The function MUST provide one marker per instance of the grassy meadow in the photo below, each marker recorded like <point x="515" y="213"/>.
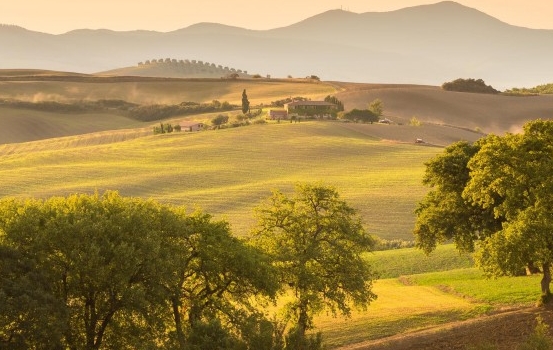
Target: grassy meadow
<point x="427" y="291"/>
<point x="228" y="172"/>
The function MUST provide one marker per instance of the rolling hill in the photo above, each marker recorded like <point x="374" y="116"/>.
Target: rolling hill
<point x="426" y="44"/>
<point x="227" y="172"/>
<point x="449" y="116"/>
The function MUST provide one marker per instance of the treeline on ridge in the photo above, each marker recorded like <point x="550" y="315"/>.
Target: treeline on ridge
<point x="157" y="112"/>
<point x="141" y="113"/>
<point x="193" y="66"/>
<point x="469" y="85"/>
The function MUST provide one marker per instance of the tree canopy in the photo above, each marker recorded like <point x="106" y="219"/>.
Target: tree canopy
<point x="469" y="85"/>
<point x="315" y="240"/>
<point x="494" y="197"/>
<point x="376" y="107"/>
<point x="245" y="102"/>
<point x="360" y="115"/>
<point x="105" y="271"/>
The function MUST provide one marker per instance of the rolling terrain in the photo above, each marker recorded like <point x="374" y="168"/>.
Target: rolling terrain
<point x="106" y="149"/>
<point x="377" y="168"/>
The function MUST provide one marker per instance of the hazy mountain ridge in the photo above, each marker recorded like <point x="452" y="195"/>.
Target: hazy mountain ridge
<point x="426" y="44"/>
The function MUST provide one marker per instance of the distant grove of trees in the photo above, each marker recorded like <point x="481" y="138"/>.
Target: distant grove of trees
<point x="165" y="128"/>
<point x="197" y="65"/>
<point x="544" y="89"/>
<point x="143" y="113"/>
<point x="337" y="102"/>
<point x="158" y="112"/>
<point x="281" y="103"/>
<point x="360" y="116"/>
<point x="469" y="85"/>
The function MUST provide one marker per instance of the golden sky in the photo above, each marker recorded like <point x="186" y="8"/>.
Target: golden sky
<point x="60" y="16"/>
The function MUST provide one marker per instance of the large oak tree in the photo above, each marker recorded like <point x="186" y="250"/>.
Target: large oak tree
<point x="110" y="272"/>
<point x="316" y="240"/>
<point x="494" y="197"/>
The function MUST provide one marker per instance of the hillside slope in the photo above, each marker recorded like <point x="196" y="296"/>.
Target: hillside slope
<point x="487" y="113"/>
<point x="228" y="172"/>
<point x="450" y="116"/>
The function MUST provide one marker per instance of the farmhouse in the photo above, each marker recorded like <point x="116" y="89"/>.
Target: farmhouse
<point x="276" y="114"/>
<point x="191" y="126"/>
<point x="310" y="108"/>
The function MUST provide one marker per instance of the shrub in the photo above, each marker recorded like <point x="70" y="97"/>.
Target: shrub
<point x="415" y="122"/>
<point x="469" y="85"/>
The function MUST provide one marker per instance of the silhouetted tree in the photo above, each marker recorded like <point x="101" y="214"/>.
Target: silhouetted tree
<point x="245" y="102"/>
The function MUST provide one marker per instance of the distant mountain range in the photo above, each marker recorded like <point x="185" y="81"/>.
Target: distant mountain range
<point x="427" y="44"/>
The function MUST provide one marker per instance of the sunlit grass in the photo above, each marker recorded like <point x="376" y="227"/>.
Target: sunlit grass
<point x="473" y="284"/>
<point x="410" y="261"/>
<point x="229" y="172"/>
<point x="399" y="308"/>
<point x="166" y="92"/>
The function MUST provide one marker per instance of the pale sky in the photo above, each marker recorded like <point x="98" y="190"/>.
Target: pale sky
<point x="60" y="16"/>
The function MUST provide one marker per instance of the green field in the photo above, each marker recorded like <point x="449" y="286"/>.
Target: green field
<point x="419" y="300"/>
<point x="228" y="172"/>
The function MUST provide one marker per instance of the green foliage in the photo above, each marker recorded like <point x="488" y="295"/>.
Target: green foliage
<point x="414" y="122"/>
<point x="469" y="85"/>
<point x="339" y="104"/>
<point x="281" y="103"/>
<point x="315" y="240"/>
<point x="296" y="341"/>
<point x="496" y="193"/>
<point x="545" y="89"/>
<point x="245" y="102"/>
<point x="104" y="271"/>
<point x="158" y="112"/>
<point x="360" y="115"/>
<point x="376" y="107"/>
<point x="219" y="120"/>
<point x="165" y="128"/>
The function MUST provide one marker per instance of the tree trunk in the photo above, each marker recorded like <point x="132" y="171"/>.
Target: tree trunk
<point x="545" y="281"/>
<point x="178" y="322"/>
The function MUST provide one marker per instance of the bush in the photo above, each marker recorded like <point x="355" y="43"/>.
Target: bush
<point x="360" y="115"/>
<point x="469" y="85"/>
<point x="415" y="122"/>
<point x="295" y="342"/>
